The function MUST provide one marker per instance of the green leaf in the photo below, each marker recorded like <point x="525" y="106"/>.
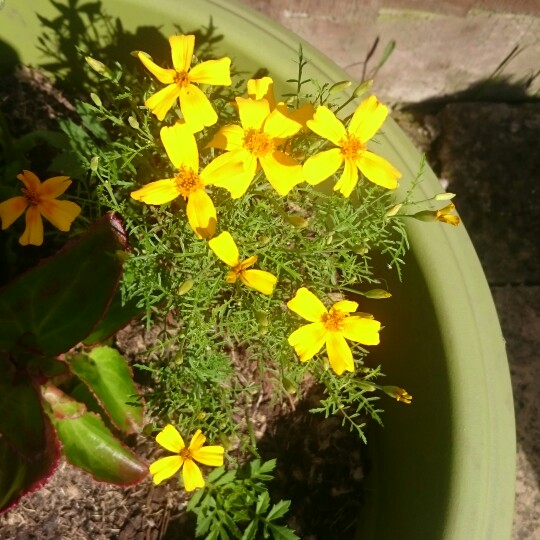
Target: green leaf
<point x="251" y="530"/>
<point x="282" y="532"/>
<point x="278" y="510"/>
<point x="89" y="445"/>
<point x="106" y="373"/>
<point x="263" y="502"/>
<point x="19" y="475"/>
<point x="56" y="304"/>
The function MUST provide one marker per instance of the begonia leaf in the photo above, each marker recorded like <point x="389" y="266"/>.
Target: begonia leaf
<point x="56" y="304"/>
<point x="106" y="373"/>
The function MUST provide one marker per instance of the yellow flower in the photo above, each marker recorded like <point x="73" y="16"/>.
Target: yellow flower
<point x="352" y="148"/>
<point x="166" y="467"/>
<point x="225" y="249"/>
<point x="255" y="144"/>
<point x="195" y="106"/>
<point x="399" y="394"/>
<point x="181" y="147"/>
<point x="330" y="327"/>
<point x="442" y="215"/>
<point x="39" y="199"/>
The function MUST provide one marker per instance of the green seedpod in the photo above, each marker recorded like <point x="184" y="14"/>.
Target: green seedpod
<point x="444" y="196"/>
<point x="96" y="99"/>
<point x="98" y="67"/>
<point x="360" y="250"/>
<point x="377" y="294"/>
<point x="262" y="320"/>
<point x="298" y="221"/>
<point x="362" y="88"/>
<point x="133" y="122"/>
<point x="339" y="87"/>
<point x="94" y="163"/>
<point x="394" y="210"/>
<point x="185" y="287"/>
<point x="179" y="358"/>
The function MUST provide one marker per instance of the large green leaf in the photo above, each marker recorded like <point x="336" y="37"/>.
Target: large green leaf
<point x="105" y="371"/>
<point x="19" y="475"/>
<point x="88" y="444"/>
<point x="55" y="305"/>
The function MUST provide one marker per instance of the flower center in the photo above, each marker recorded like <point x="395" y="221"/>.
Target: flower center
<point x="185" y="454"/>
<point x="258" y="142"/>
<point x="182" y="79"/>
<point x="351" y="146"/>
<point x="187" y="182"/>
<point x="333" y="320"/>
<point x="32" y="197"/>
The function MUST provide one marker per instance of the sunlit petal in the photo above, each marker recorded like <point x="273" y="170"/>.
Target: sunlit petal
<point x="170" y="439"/>
<point x="54" y="187"/>
<point x="261" y="281"/>
<point x="181" y="146"/>
<point x="228" y="138"/>
<point x="262" y="89"/>
<point x="279" y="126"/>
<point x="158" y="192"/>
<point x="308" y="340"/>
<point x="225" y="248"/>
<point x="201" y="214"/>
<point x="346" y="306"/>
<point x="322" y="165"/>
<point x="209" y="455"/>
<point x="165" y="468"/>
<point x="349" y="178"/>
<point x="196" y="108"/>
<point x="307" y="305"/>
<point x="11" y="210"/>
<point x="246" y="263"/>
<point x="192" y="476"/>
<point x="282" y="171"/>
<point x="165" y="76"/>
<point x="326" y="124"/>
<point x="33" y="233"/>
<point x="252" y="112"/>
<point x="361" y="330"/>
<point x="160" y="102"/>
<point x="182" y="52"/>
<point x="377" y="170"/>
<point x="368" y="118"/>
<point x="30" y="180"/>
<point x="60" y="213"/>
<point x="303" y="114"/>
<point x="212" y="72"/>
<point x="339" y="353"/>
<point x="197" y="441"/>
<point x="223" y="168"/>
<point x="238" y="185"/>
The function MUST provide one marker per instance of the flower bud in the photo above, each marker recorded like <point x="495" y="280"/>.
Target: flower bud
<point x="398" y="393"/>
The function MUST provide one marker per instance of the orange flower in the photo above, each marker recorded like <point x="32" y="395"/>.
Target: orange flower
<point x="39" y="199"/>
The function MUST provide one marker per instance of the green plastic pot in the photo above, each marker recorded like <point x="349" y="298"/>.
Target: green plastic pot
<point x="444" y="466"/>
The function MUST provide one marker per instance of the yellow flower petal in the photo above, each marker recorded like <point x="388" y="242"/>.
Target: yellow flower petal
<point x="307" y="305"/>
<point x="196" y="108"/>
<point x="361" y="330"/>
<point x="165" y="76"/>
<point x="322" y="165"/>
<point x="261" y="281"/>
<point x="212" y="72"/>
<point x="170" y="439"/>
<point x="368" y="118"/>
<point x="246" y="263"/>
<point x="209" y="455"/>
<point x="238" y="185"/>
<point x="60" y="213"/>
<point x="201" y="214"/>
<point x="182" y="51"/>
<point x="181" y="146"/>
<point x="165" y="468"/>
<point x="282" y="171"/>
<point x="30" y="180"/>
<point x="339" y="353"/>
<point x="162" y="101"/>
<point x="54" y="187"/>
<point x="349" y="178"/>
<point x="252" y="112"/>
<point x="308" y="340"/>
<point x="225" y="248"/>
<point x="346" y="306"/>
<point x="303" y="114"/>
<point x="192" y="476"/>
<point x="197" y="441"/>
<point x="158" y="192"/>
<point x="33" y="233"/>
<point x="228" y="138"/>
<point x="279" y="126"/>
<point x="326" y="125"/>
<point x="11" y="210"/>
<point x="223" y="168"/>
<point x="377" y="170"/>
<point x="262" y="89"/>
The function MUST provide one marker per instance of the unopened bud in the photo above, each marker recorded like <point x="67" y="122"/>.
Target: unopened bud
<point x="377" y="294"/>
<point x="96" y="99"/>
<point x="99" y="67"/>
<point x="398" y="393"/>
<point x="339" y="87"/>
<point x="185" y="287"/>
<point x="394" y="210"/>
<point x="362" y="88"/>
